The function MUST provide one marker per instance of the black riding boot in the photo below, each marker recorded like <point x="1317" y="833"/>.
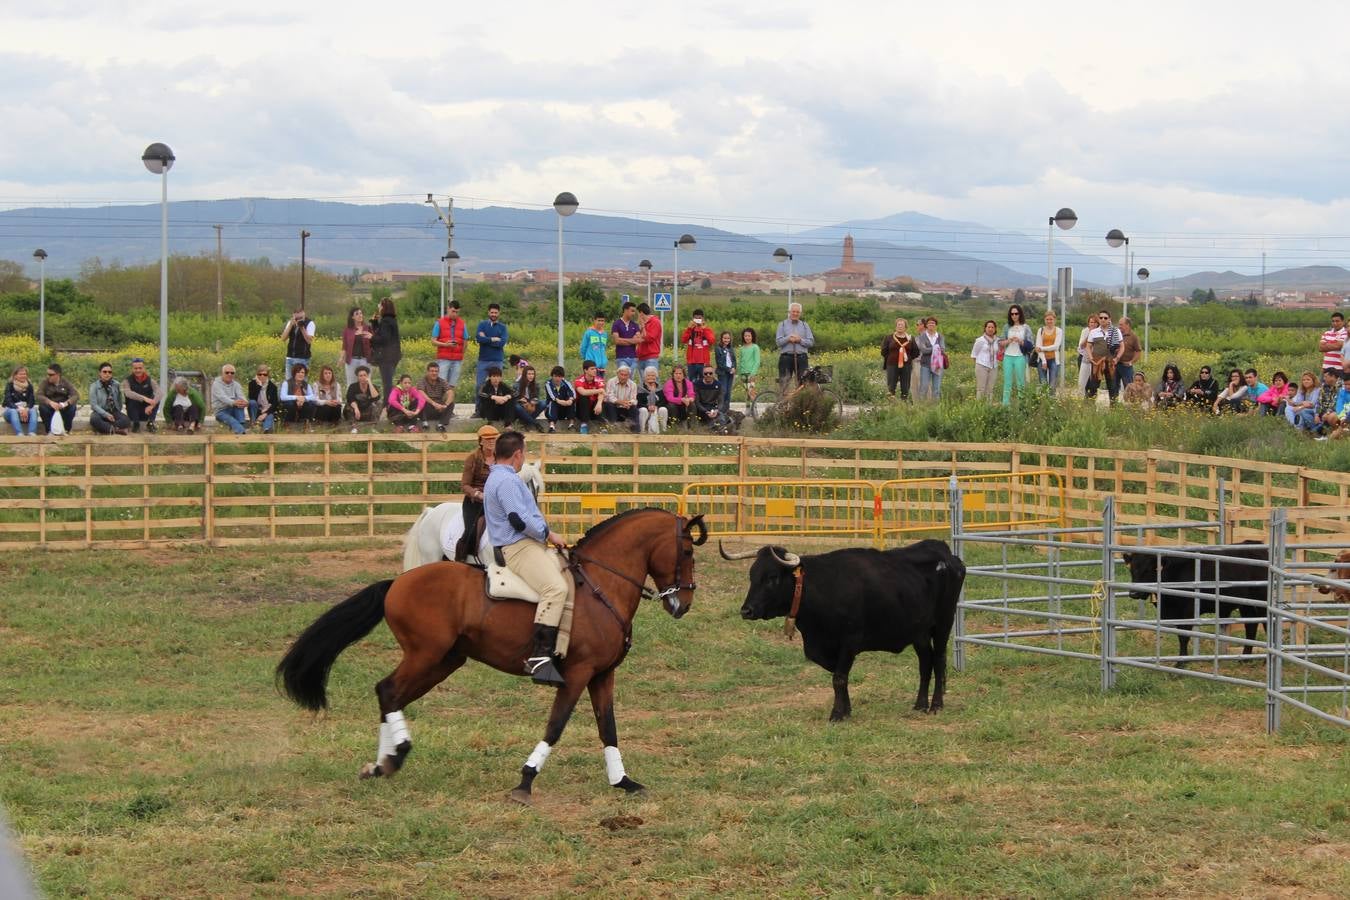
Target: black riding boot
<point x="541" y="665"/>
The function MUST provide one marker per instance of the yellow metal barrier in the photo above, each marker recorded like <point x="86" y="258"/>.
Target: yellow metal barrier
<point x="572" y="514"/>
<point x="996" y="500"/>
<point x="820" y="508"/>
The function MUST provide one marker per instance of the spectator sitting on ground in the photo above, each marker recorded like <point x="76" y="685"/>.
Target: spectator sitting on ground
<point x="529" y="397"/>
<point x="363" y="400"/>
<point x="560" y="400"/>
<point x="143" y="397"/>
<point x="263" y="400"/>
<point x="1233" y="398"/>
<point x="297" y="397"/>
<point x="1204" y="391"/>
<point x="652" y="412"/>
<point x="708" y="400"/>
<point x="328" y="398"/>
<point x="440" y="397"/>
<point x="57" y="395"/>
<point x="1337" y="424"/>
<point x="20" y="403"/>
<point x="1301" y="410"/>
<point x="1137" y="392"/>
<point x="518" y="364"/>
<point x="496" y="398"/>
<point x="595" y="344"/>
<point x="679" y="395"/>
<point x="405" y="405"/>
<point x="229" y="404"/>
<point x="1325" y="410"/>
<point x="185" y="407"/>
<point x="1273" y="398"/>
<point x="1170" y="391"/>
<point x="105" y="404"/>
<point x="621" y="398"/>
<point x="590" y="390"/>
<point x="1255" y="388"/>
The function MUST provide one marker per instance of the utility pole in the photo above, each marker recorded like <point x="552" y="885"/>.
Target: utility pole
<point x="304" y="236"/>
<point x="1263" y="276"/>
<point x="220" y="280"/>
<point x="448" y="219"/>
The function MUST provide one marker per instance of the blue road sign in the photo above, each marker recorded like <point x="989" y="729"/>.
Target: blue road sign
<point x="661" y="302"/>
<point x="624" y="298"/>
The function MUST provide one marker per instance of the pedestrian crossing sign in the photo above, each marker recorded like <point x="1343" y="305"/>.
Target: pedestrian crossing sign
<point x="661" y="302"/>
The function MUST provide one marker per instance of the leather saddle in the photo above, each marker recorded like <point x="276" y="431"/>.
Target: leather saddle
<point x="500" y="583"/>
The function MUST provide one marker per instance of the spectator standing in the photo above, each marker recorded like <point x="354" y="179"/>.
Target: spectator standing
<point x="794" y="341"/>
<point x="1333" y="342"/>
<point x="1204" y="390"/>
<point x="471" y="482"/>
<point x="439" y="397"/>
<point x="1170" y="390"/>
<point x="386" y="347"/>
<point x="626" y="334"/>
<point x="328" y="398"/>
<point x="356" y="339"/>
<point x="985" y="353"/>
<point x="57" y="395"/>
<point x="1016" y="345"/>
<point x="932" y="359"/>
<point x="529" y="398"/>
<point x="297" y="397"/>
<point x="143" y="397"/>
<point x="1233" y="397"/>
<point x="595" y="344"/>
<point x="679" y="395"/>
<point x="697" y="340"/>
<point x="590" y="390"/>
<point x="406" y="403"/>
<point x="621" y="398"/>
<point x="1050" y="350"/>
<point x="299" y="337"/>
<point x="1126" y="354"/>
<point x="229" y="403"/>
<point x="450" y="334"/>
<point x="1085" y="355"/>
<point x="263" y="400"/>
<point x="724" y="358"/>
<point x="1102" y="343"/>
<point x="363" y="400"/>
<point x="897" y="357"/>
<point x="184" y="406"/>
<point x="496" y="398"/>
<point x="1301" y="410"/>
<point x="747" y="362"/>
<point x="105" y="404"/>
<point x="491" y="335"/>
<point x="649" y="347"/>
<point x="652" y="412"/>
<point x="560" y="400"/>
<point x="20" y="403"/>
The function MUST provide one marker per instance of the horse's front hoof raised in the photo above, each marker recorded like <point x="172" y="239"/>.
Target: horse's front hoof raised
<point x="523" y="797"/>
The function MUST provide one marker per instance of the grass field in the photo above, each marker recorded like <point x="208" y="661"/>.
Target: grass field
<point x="147" y="755"/>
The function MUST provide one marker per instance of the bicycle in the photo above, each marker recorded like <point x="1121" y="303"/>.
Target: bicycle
<point x="815" y="375"/>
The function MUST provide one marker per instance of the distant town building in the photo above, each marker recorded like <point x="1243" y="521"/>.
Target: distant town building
<point x="851" y="275"/>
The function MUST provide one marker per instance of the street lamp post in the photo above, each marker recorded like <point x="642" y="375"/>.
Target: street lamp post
<point x="304" y="236"/>
<point x="564" y="205"/>
<point x="1142" y="275"/>
<point x="781" y="255"/>
<point x="41" y="256"/>
<point x="158" y="160"/>
<point x="1065" y="219"/>
<point x="1116" y="238"/>
<point x="646" y="266"/>
<point x="448" y="218"/>
<point x="448" y="264"/>
<point x="686" y="242"/>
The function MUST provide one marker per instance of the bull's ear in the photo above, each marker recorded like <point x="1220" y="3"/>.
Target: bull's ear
<point x="1128" y="557"/>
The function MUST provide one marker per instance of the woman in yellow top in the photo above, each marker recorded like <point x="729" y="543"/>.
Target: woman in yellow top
<point x="1050" y="346"/>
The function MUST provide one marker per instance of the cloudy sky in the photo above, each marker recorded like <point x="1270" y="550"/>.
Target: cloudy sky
<point x="1206" y="124"/>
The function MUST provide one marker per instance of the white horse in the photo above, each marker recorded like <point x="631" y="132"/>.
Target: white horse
<point x="435" y="533"/>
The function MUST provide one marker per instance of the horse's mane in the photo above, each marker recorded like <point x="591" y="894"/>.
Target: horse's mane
<point x="601" y="527"/>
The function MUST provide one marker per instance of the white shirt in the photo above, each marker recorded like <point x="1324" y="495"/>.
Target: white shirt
<point x="985" y="351"/>
<point x="1016" y="334"/>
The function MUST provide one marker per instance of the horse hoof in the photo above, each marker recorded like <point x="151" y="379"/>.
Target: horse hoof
<point x="370" y="770"/>
<point x="921" y="707"/>
<point x="836" y="716"/>
<point x="630" y="786"/>
<point x="523" y="797"/>
<point x="934" y="710"/>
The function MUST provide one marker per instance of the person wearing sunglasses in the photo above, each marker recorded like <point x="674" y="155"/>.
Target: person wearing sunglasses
<point x="229" y="404"/>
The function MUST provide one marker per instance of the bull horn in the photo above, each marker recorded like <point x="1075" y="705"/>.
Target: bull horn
<point x="743" y="554"/>
<point x="790" y="560"/>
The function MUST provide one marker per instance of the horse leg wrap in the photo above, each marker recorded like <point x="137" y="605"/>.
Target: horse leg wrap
<point x="386" y="748"/>
<point x="614" y="765"/>
<point x="398" y="729"/>
<point x="540" y="754"/>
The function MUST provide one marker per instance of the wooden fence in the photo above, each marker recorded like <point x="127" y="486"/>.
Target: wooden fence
<point x="82" y="490"/>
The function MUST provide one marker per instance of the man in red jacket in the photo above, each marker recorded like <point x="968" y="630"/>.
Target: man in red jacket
<point x="448" y="335"/>
<point x="649" y="349"/>
<point x="697" y="340"/>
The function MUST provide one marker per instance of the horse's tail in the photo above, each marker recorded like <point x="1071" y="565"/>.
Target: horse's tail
<point x="302" y="673"/>
<point x="412" y="549"/>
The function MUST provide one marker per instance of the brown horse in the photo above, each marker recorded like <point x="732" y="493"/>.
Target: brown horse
<point x="441" y="617"/>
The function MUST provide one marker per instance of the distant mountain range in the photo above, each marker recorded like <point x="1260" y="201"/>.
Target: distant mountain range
<point x="406" y="236"/>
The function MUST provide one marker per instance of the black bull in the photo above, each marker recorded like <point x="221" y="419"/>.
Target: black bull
<point x="1200" y="576"/>
<point x="860" y="599"/>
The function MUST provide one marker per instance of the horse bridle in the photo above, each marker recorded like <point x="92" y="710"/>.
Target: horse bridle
<point x="667" y="595"/>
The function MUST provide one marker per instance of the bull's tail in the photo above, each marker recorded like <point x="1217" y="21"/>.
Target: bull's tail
<point x="302" y="673"/>
<point x="953" y="579"/>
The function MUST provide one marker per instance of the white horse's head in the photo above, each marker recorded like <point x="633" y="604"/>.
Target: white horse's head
<point x="533" y="476"/>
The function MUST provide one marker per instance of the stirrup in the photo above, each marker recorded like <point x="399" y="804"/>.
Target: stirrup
<point x="543" y="670"/>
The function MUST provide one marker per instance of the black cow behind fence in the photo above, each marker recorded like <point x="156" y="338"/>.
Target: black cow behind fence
<point x="1201" y="576"/>
<point x="850" y="601"/>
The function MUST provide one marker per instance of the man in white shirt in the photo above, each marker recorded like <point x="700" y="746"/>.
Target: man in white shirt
<point x="621" y="398"/>
<point x="985" y="354"/>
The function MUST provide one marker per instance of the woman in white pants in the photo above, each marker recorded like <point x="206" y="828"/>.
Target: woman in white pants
<point x="652" y="412"/>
